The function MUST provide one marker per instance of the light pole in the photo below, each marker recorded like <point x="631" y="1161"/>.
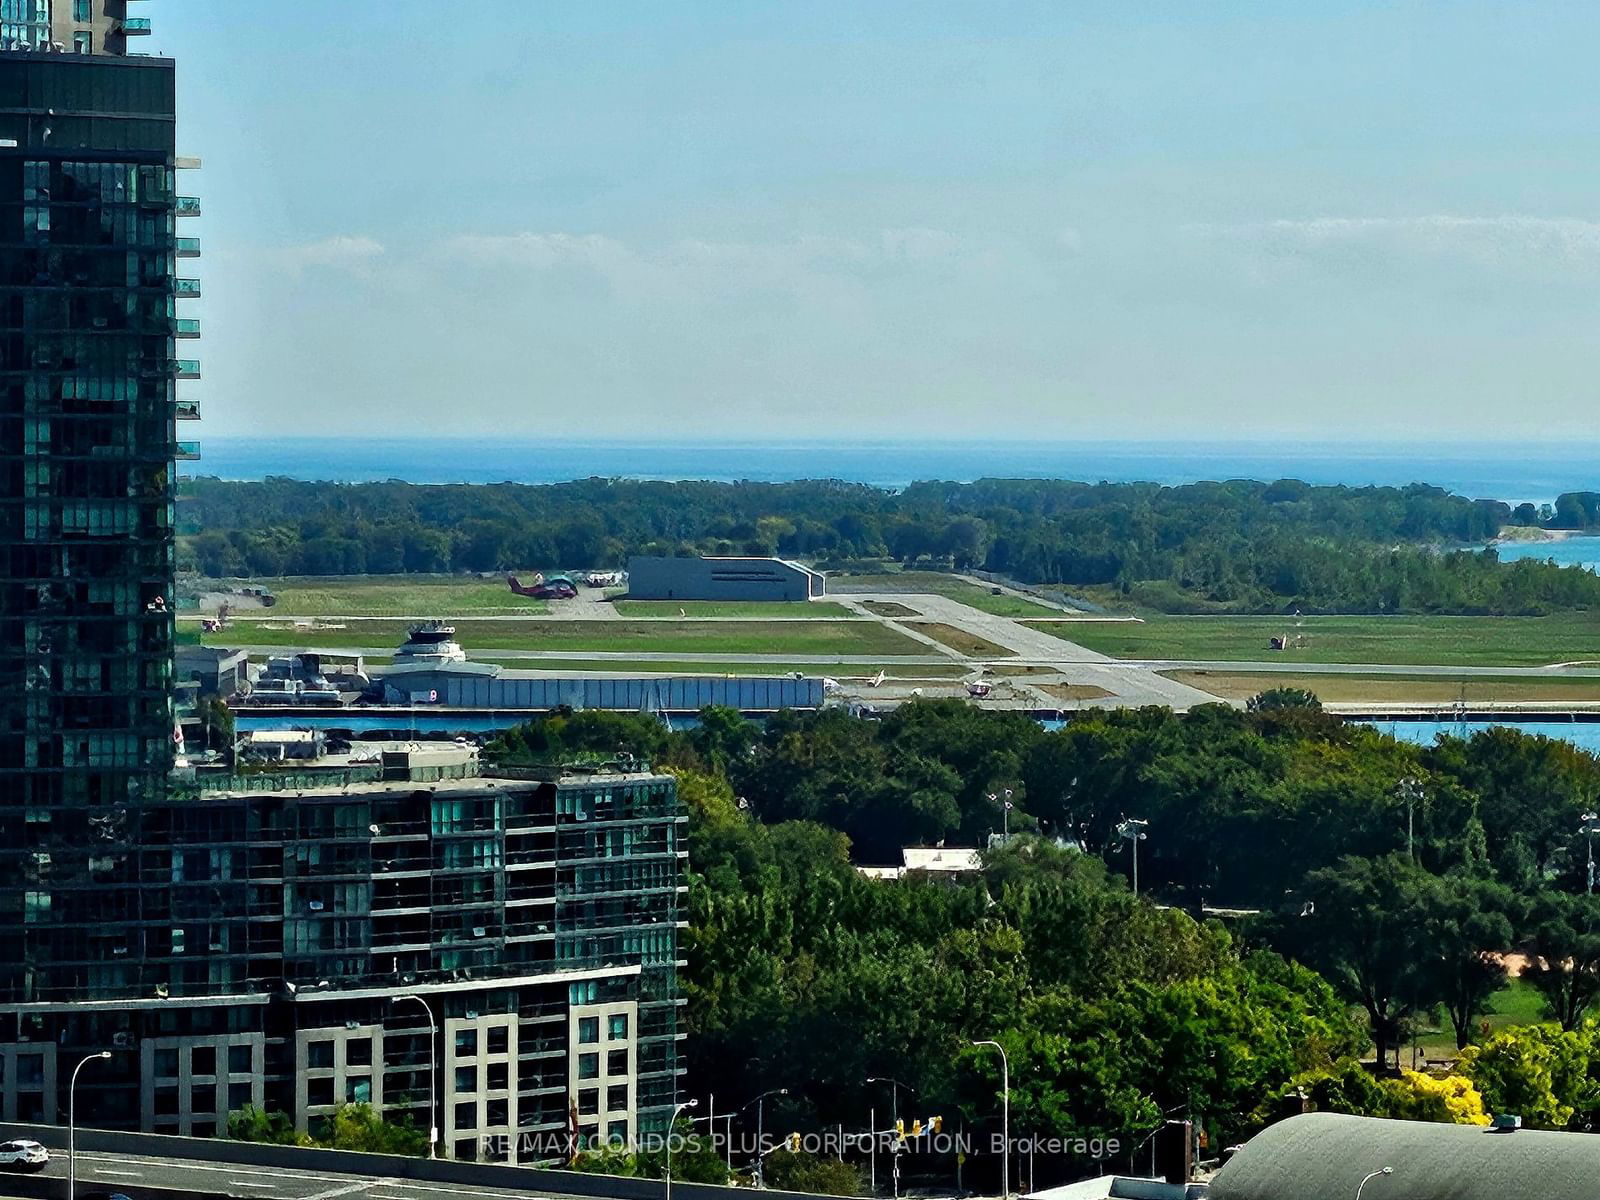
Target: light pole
<point x="1589" y="829"/>
<point x="671" y="1125"/>
<point x="1005" y="1118"/>
<point x="894" y="1116"/>
<point x="72" y="1122"/>
<point x="1411" y="791"/>
<point x="761" y="1174"/>
<point x="1004" y="800"/>
<point x="433" y="1078"/>
<point x="1132" y="830"/>
<point x="1370" y="1178"/>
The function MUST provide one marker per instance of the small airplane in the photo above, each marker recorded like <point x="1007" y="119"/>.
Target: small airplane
<point x="557" y="587"/>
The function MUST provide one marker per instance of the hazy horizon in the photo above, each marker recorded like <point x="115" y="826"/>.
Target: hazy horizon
<point x="930" y="221"/>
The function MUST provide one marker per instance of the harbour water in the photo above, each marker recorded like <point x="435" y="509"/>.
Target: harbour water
<point x="1536" y="472"/>
<point x="1578" y="551"/>
<point x="1583" y="734"/>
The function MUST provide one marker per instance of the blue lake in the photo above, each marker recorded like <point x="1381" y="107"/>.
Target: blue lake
<point x="1567" y="552"/>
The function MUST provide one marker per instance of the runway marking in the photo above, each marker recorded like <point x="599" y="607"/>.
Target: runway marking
<point x="250" y="1183"/>
<point x="111" y="1171"/>
<point x="359" y="1185"/>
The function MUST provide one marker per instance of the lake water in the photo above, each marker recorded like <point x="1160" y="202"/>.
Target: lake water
<point x="1568" y="552"/>
<point x="1583" y="734"/>
<point x="1537" y="472"/>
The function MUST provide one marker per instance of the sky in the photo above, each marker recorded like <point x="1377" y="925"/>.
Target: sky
<point x="1042" y="221"/>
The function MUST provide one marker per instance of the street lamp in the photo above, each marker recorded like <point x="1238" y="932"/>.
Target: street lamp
<point x="72" y="1122"/>
<point x="1133" y="830"/>
<point x="433" y="1077"/>
<point x="671" y="1125"/>
<point x="1370" y="1178"/>
<point x="1005" y="1118"/>
<point x="1004" y="800"/>
<point x="1411" y="792"/>
<point x="1589" y="828"/>
<point x="894" y="1116"/>
<point x="760" y="1135"/>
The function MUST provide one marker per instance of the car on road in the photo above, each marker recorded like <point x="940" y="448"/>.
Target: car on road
<point x="23" y="1155"/>
<point x="104" y="1196"/>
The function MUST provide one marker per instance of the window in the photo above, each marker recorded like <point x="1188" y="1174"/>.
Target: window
<point x="319" y="1054"/>
<point x="466" y="1149"/>
<point x="358" y="1090"/>
<point x="617" y="1062"/>
<point x="239" y="1060"/>
<point x="617" y="1133"/>
<point x="617" y="1097"/>
<point x="588" y="1101"/>
<point x="499" y="1039"/>
<point x="467" y="1116"/>
<point x="82" y="11"/>
<point x="466" y="1079"/>
<point x="358" y="1052"/>
<point x="238" y="1096"/>
<point x="617" y="1026"/>
<point x="203" y="1061"/>
<point x="467" y="1043"/>
<point x="83" y="42"/>
<point x="166" y="1064"/>
<point x="588" y="1030"/>
<point x="203" y="1099"/>
<point x="496" y="1075"/>
<point x="319" y="1091"/>
<point x="497" y="1112"/>
<point x="588" y="1066"/>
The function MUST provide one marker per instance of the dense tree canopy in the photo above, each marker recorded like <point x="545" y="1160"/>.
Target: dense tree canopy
<point x="1233" y="546"/>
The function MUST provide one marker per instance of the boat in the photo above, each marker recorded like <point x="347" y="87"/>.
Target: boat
<point x="430" y="644"/>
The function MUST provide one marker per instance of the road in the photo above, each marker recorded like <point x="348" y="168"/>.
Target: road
<point x="115" y="1172"/>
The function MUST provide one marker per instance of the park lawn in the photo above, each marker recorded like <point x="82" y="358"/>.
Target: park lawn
<point x="960" y="640"/>
<point x="1518" y="1003"/>
<point x="1419" y="640"/>
<point x="414" y="596"/>
<point x="812" y="610"/>
<point x="1396" y="689"/>
<point x="653" y="637"/>
<point x="940" y="584"/>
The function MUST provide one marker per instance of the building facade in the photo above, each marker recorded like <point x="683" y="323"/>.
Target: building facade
<point x="710" y="578"/>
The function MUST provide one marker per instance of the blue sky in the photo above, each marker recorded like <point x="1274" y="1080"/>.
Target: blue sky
<point x="1328" y="221"/>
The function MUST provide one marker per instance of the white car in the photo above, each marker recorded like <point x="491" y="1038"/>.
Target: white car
<point x="23" y="1155"/>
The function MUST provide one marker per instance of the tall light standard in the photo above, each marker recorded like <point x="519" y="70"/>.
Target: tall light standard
<point x="72" y="1122"/>
<point x="760" y="1104"/>
<point x="433" y="1075"/>
<point x="1132" y="830"/>
<point x="1589" y="828"/>
<point x="1005" y="1118"/>
<point x="671" y="1125"/>
<point x="1004" y="800"/>
<point x="894" y="1116"/>
<point x="1370" y="1178"/>
<point x="1411" y="792"/>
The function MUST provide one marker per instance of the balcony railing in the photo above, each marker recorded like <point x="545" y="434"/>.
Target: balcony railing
<point x="188" y="368"/>
<point x="186" y="410"/>
<point x="186" y="287"/>
<point x="187" y="327"/>
<point x="188" y="247"/>
<point x="136" y="26"/>
<point x="188" y="452"/>
<point x="188" y="206"/>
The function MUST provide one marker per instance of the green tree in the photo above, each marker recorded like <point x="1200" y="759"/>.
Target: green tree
<point x="1564" y="946"/>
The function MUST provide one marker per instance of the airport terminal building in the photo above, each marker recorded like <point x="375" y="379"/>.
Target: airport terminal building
<point x="774" y="579"/>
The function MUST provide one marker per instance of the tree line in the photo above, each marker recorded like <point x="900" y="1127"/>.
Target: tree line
<point x="1235" y="546"/>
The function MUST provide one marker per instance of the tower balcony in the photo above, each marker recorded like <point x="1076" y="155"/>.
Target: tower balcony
<point x="188" y="368"/>
<point x="136" y="26"/>
<point x="188" y="206"/>
<point x="188" y="247"/>
<point x="186" y="288"/>
<point x="188" y="452"/>
<point x="186" y="410"/>
<point x="186" y="327"/>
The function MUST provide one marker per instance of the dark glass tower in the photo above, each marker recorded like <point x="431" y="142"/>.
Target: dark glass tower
<point x="88" y="369"/>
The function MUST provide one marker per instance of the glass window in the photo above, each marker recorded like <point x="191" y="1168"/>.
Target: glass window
<point x="319" y="1091"/>
<point x="497" y="1112"/>
<point x="496" y="1075"/>
<point x="499" y="1039"/>
<point x="319" y="1054"/>
<point x="466" y="1079"/>
<point x="467" y="1043"/>
<point x="588" y="1101"/>
<point x="617" y="1133"/>
<point x="358" y="1052"/>
<point x="358" y="1090"/>
<point x="203" y="1099"/>
<point x="588" y="1030"/>
<point x="617" y="1097"/>
<point x="166" y="1064"/>
<point x="467" y="1116"/>
<point x="83" y="42"/>
<point x="239" y="1060"/>
<point x="82" y="11"/>
<point x="203" y="1060"/>
<point x="617" y="1026"/>
<point x="588" y="1066"/>
<point x="617" y="1062"/>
